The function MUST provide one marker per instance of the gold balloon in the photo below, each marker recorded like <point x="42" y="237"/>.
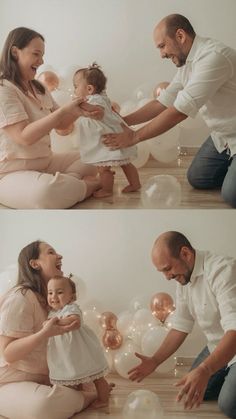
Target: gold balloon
<point x="108" y="320"/>
<point x="49" y="79"/>
<point x="115" y="106"/>
<point x="112" y="339"/>
<point x="162" y="305"/>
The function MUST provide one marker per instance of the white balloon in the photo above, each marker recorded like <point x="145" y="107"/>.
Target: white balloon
<point x="123" y="361"/>
<point x="142" y="404"/>
<point x="165" y="148"/>
<point x="8" y="278"/>
<point x="144" y="318"/>
<point x="137" y="302"/>
<point x="136" y="333"/>
<point x="127" y="107"/>
<point x="80" y="288"/>
<point x="92" y="320"/>
<point x="143" y="153"/>
<point x="151" y="341"/>
<point x="161" y="191"/>
<point x="124" y="322"/>
<point x="62" y="96"/>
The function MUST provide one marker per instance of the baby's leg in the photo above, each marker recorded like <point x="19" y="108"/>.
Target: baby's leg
<point x="132" y="176"/>
<point x="103" y="392"/>
<point x="107" y="182"/>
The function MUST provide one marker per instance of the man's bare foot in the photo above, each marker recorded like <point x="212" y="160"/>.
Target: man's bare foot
<point x="102" y="193"/>
<point x="131" y="188"/>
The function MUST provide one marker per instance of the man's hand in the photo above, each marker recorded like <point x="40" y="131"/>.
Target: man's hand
<point x="122" y="140"/>
<point x="147" y="366"/>
<point x="194" y="385"/>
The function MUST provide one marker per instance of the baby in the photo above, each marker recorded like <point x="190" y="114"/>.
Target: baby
<point x="75" y="357"/>
<point x="91" y="83"/>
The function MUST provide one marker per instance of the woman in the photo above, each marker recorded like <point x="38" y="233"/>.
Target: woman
<point x="31" y="175"/>
<point x="24" y="383"/>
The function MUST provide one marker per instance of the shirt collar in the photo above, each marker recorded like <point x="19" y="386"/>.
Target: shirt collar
<point x="194" y="48"/>
<point x="198" y="266"/>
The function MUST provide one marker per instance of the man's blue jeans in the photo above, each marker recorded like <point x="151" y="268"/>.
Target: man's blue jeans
<point x="210" y="170"/>
<point x="221" y="386"/>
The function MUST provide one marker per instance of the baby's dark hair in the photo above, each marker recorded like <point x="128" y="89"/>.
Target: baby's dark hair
<point x="67" y="279"/>
<point x="94" y="76"/>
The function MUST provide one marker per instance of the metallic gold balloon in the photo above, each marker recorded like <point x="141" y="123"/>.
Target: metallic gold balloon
<point x="108" y="320"/>
<point x="49" y="79"/>
<point x="112" y="339"/>
<point x="162" y="305"/>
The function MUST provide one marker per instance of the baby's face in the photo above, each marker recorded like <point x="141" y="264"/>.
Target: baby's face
<point x="81" y="87"/>
<point x="59" y="293"/>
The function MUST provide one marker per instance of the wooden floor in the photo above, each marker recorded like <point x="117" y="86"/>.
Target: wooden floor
<point x="191" y="198"/>
<point x="164" y="388"/>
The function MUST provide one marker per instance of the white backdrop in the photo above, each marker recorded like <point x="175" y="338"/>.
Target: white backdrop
<point x="118" y="35"/>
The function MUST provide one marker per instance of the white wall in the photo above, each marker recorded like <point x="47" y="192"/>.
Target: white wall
<point x="117" y="34"/>
<point x="110" y="250"/>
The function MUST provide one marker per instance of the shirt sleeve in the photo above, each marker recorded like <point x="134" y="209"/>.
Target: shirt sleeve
<point x="168" y="96"/>
<point x="209" y="73"/>
<point x="17" y="315"/>
<point x="224" y="288"/>
<point x="96" y="100"/>
<point x="11" y="107"/>
<point x="71" y="309"/>
<point x="182" y="318"/>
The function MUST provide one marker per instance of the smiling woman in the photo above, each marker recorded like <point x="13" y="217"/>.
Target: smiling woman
<point x="23" y="342"/>
<point x="27" y="115"/>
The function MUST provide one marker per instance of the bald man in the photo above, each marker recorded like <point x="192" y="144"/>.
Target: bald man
<point x="205" y="82"/>
<point x="206" y="293"/>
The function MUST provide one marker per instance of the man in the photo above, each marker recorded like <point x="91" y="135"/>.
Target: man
<point x="206" y="292"/>
<point x="205" y="82"/>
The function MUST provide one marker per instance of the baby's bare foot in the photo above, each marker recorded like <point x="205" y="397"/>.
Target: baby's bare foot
<point x="131" y="188"/>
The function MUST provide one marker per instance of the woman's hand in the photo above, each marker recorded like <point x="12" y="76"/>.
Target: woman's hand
<point x="193" y="387"/>
<point x="92" y="111"/>
<point x="147" y="366"/>
<point x="52" y="327"/>
<point x="122" y="140"/>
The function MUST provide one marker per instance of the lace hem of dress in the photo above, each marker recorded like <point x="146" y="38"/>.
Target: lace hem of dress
<point x="80" y="380"/>
<point x="113" y="163"/>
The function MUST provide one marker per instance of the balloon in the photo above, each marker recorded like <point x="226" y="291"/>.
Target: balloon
<point x="108" y="320"/>
<point x="115" y="106"/>
<point x="165" y="147"/>
<point x="162" y="305"/>
<point x="80" y="287"/>
<point x="112" y="339"/>
<point x="124" y="360"/>
<point x="157" y="90"/>
<point x="161" y="191"/>
<point x="62" y="97"/>
<point x="144" y="318"/>
<point x="92" y="320"/>
<point x="143" y="153"/>
<point x="143" y="91"/>
<point x="137" y="302"/>
<point x="124" y="322"/>
<point x="142" y="404"/>
<point x="128" y="107"/>
<point x="49" y="79"/>
<point x="109" y="358"/>
<point x="8" y="278"/>
<point x="151" y="341"/>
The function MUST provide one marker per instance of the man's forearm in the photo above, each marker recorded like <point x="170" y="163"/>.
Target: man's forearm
<point x="162" y="123"/>
<point x="169" y="346"/>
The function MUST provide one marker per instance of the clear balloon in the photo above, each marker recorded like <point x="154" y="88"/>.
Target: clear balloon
<point x="124" y="322"/>
<point x="80" y="287"/>
<point x="165" y="147"/>
<point x="137" y="302"/>
<point x="162" y="304"/>
<point x="62" y="97"/>
<point x="144" y="318"/>
<point x="92" y="320"/>
<point x="124" y="360"/>
<point x="49" y="79"/>
<point x="142" y="404"/>
<point x="161" y="191"/>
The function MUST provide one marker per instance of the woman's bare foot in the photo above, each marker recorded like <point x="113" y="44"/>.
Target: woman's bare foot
<point x="102" y="193"/>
